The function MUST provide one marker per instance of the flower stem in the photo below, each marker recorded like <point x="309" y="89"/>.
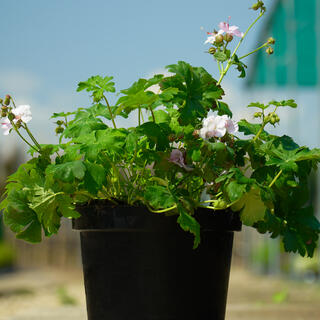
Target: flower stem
<point x="111" y="115"/>
<point x="32" y="137"/>
<point x="237" y="47"/>
<point x="163" y="210"/>
<point x="275" y="179"/>
<point x="20" y="135"/>
<point x="153" y="117"/>
<point x="248" y="54"/>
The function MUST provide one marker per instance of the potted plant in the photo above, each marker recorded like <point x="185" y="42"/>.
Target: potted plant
<point x="156" y="204"/>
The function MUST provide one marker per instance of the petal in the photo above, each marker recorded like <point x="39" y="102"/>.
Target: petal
<point x="203" y="133"/>
<point x="224" y="26"/>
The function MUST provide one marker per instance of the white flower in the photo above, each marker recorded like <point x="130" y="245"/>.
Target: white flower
<point x="217" y="126"/>
<point x="232" y="126"/>
<point x="22" y="113"/>
<point x="6" y="126"/>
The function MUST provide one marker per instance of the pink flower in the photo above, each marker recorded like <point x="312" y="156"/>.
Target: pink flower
<point x="6" y="125"/>
<point x="177" y="157"/>
<point x="233" y="30"/>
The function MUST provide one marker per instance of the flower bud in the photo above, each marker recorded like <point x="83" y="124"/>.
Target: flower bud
<point x="271" y="40"/>
<point x="180" y="136"/>
<point x="269" y="51"/>
<point x="11" y="116"/>
<point x="212" y="50"/>
<point x="6" y="101"/>
<point x="3" y="114"/>
<point x="219" y="39"/>
<point x="257" y="115"/>
<point x="220" y="204"/>
<point x="172" y="137"/>
<point x="59" y="130"/>
<point x="257" y="5"/>
<point x="195" y="133"/>
<point x="1" y="101"/>
<point x="19" y="123"/>
<point x="274" y="119"/>
<point x="228" y="37"/>
<point x="59" y="122"/>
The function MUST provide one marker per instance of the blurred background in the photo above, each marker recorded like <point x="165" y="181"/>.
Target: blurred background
<point x="47" y="47"/>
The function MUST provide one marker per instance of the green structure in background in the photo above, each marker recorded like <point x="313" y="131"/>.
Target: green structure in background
<point x="295" y="24"/>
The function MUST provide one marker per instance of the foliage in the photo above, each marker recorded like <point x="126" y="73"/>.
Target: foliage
<point x="166" y="162"/>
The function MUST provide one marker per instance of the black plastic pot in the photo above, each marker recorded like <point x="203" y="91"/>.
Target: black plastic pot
<point x="141" y="266"/>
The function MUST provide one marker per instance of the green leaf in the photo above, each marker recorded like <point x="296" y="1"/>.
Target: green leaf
<point x="68" y="171"/>
<point x="95" y="177"/>
<point x="254" y="208"/>
<point x="112" y="140"/>
<point x="189" y="223"/>
<point x="293" y="242"/>
<point x="252" y="129"/>
<point x="196" y="155"/>
<point x="284" y="103"/>
<point x="159" y="197"/>
<point x="258" y="105"/>
<point x="235" y="190"/>
<point x="223" y="108"/>
<point x="160" y="116"/>
<point x="220" y="56"/>
<point x="97" y="85"/>
<point x="32" y="233"/>
<point x="156" y="133"/>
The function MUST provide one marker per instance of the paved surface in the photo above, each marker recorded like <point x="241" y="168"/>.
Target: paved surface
<point x="43" y="295"/>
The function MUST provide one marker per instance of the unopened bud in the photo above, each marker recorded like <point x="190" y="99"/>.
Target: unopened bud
<point x="6" y="101"/>
<point x="172" y="137"/>
<point x="59" y="130"/>
<point x="228" y="37"/>
<point x="257" y="115"/>
<point x="1" y="101"/>
<point x="195" y="133"/>
<point x="269" y="50"/>
<point x="180" y="136"/>
<point x="11" y="116"/>
<point x="59" y="122"/>
<point x="19" y="123"/>
<point x="271" y="40"/>
<point x="3" y="114"/>
<point x="257" y="5"/>
<point x="212" y="50"/>
<point x="219" y="38"/>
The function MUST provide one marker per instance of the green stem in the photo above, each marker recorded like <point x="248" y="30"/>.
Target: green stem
<point x="237" y="47"/>
<point x="226" y="207"/>
<point x="163" y="210"/>
<point x="32" y="137"/>
<point x="263" y="125"/>
<point x="248" y="54"/>
<point x="112" y="118"/>
<point x="139" y="119"/>
<point x="275" y="179"/>
<point x="153" y="117"/>
<point x="19" y="134"/>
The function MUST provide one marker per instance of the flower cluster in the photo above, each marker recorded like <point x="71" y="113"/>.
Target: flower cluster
<point x="217" y="126"/>
<point x="18" y="115"/>
<point x="224" y="28"/>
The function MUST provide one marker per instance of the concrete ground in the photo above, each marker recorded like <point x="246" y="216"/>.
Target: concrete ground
<point x="54" y="295"/>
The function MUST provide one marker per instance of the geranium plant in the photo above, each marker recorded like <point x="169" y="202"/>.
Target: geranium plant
<point x="185" y="152"/>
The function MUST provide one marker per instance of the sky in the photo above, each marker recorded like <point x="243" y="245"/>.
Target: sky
<point x="47" y="47"/>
